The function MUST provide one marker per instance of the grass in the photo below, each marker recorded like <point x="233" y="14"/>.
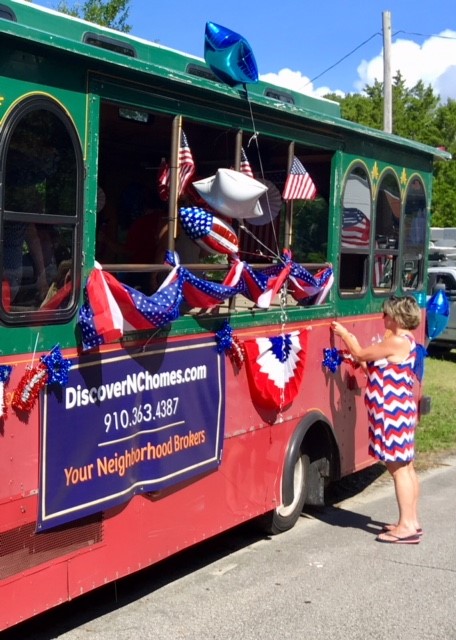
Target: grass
<point x="436" y="433"/>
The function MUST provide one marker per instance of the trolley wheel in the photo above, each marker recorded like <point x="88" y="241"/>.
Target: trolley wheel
<point x="284" y="517"/>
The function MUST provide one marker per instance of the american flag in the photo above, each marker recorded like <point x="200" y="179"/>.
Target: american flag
<point x="379" y="269"/>
<point x="163" y="180"/>
<point x="245" y="164"/>
<point x="186" y="164"/>
<point x="299" y="185"/>
<point x="355" y="228"/>
<point x="186" y="170"/>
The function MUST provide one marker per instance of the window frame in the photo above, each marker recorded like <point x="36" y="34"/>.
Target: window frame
<point x="419" y="285"/>
<point x="26" y="317"/>
<point x="364" y="251"/>
<point x="387" y="251"/>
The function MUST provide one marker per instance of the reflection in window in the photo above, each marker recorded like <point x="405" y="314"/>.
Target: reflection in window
<point x="41" y="166"/>
<point x="355" y="232"/>
<point x="387" y="223"/>
<point x="39" y="212"/>
<point x="36" y="266"/>
<point x="413" y="250"/>
<point x="310" y="230"/>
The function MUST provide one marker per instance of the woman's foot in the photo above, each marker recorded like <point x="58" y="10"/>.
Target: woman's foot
<point x="393" y="527"/>
<point x="392" y="538"/>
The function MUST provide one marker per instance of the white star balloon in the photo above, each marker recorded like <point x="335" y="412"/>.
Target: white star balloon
<point x="232" y="193"/>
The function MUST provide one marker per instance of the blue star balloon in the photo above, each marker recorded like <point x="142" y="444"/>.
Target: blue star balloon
<point x="229" y="55"/>
<point x="437" y="314"/>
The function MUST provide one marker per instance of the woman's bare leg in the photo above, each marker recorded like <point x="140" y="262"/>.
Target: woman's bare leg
<point x="407" y="492"/>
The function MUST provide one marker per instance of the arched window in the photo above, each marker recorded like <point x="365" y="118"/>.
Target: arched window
<point x="355" y="232"/>
<point x="41" y="178"/>
<point x="414" y="232"/>
<point x="387" y="227"/>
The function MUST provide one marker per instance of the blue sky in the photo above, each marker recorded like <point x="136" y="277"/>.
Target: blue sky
<point x="298" y="41"/>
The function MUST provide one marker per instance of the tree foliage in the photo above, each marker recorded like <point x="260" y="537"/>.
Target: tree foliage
<point x="417" y="115"/>
<point x="107" y="13"/>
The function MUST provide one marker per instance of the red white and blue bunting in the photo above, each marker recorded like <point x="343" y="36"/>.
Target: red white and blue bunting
<point x="112" y="308"/>
<point x="275" y="367"/>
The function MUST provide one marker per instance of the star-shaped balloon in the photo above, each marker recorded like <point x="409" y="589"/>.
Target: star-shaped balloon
<point x="232" y="193"/>
<point x="229" y="55"/>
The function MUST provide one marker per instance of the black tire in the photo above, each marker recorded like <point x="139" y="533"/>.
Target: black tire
<point x="283" y="518"/>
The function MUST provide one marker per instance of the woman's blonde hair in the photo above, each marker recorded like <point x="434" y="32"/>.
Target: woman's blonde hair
<point x="405" y="311"/>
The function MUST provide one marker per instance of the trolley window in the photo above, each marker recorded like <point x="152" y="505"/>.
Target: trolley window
<point x="40" y="202"/>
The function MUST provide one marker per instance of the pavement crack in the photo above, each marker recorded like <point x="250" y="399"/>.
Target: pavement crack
<point x="422" y="566"/>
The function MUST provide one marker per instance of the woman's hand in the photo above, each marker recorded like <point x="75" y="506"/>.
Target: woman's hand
<point x="338" y="329"/>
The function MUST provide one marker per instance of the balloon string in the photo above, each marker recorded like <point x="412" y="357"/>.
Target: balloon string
<point x="34" y="349"/>
<point x="255" y="137"/>
<point x="252" y="235"/>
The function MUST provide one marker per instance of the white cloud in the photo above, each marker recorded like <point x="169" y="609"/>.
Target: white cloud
<point x="295" y="81"/>
<point x="433" y="62"/>
<point x="446" y="84"/>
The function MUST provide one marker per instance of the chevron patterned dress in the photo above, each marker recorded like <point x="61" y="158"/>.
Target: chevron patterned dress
<point x="391" y="408"/>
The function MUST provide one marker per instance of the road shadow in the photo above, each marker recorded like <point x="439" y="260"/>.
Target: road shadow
<point x="338" y="517"/>
<point x="104" y="600"/>
<point x="346" y="488"/>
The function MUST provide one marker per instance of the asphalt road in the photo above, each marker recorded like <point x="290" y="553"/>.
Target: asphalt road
<point x="325" y="579"/>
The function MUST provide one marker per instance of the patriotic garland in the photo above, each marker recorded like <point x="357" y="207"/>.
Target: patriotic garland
<point x="112" y="308"/>
<point x="53" y="368"/>
<point x="230" y="344"/>
<point x="333" y="358"/>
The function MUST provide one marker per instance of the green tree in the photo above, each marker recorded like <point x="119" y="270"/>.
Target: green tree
<point x="414" y="109"/>
<point x="107" y="13"/>
<point x="417" y="115"/>
<point x="359" y="108"/>
<point x="444" y="199"/>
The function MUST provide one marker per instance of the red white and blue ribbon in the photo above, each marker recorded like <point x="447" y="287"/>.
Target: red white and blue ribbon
<point x="275" y="368"/>
<point x="230" y="344"/>
<point x="112" y="308"/>
<point x="5" y="372"/>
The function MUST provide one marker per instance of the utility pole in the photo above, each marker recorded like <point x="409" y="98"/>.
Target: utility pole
<point x="387" y="87"/>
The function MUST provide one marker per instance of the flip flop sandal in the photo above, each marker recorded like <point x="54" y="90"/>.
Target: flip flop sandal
<point x="413" y="539"/>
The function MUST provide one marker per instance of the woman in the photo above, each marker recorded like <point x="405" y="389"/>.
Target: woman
<point x="391" y="408"/>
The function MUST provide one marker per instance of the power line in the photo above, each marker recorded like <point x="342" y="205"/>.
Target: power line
<point x="425" y="35"/>
<point x="378" y="33"/>
<point x="344" y="58"/>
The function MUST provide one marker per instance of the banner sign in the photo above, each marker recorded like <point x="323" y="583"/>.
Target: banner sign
<point x="129" y="423"/>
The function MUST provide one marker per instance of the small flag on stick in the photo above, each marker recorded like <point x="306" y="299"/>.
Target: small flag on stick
<point x="245" y="164"/>
<point x="299" y="185"/>
<point x="186" y="170"/>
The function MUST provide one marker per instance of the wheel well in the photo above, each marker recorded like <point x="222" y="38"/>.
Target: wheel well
<point x="313" y="436"/>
